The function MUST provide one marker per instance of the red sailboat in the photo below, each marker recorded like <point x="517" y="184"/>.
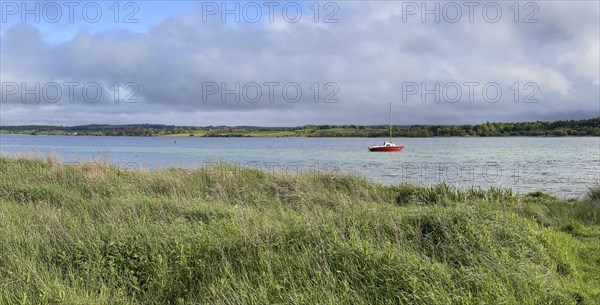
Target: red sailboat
<point x="387" y="145"/>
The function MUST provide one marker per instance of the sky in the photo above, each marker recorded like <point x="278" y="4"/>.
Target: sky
<point x="292" y="63"/>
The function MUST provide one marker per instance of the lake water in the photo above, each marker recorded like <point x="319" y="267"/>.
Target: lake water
<point x="563" y="166"/>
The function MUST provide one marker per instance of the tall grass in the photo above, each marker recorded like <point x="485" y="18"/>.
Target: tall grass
<point x="593" y="195"/>
<point x="81" y="234"/>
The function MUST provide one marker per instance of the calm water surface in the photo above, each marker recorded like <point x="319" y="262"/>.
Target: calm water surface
<point x="563" y="166"/>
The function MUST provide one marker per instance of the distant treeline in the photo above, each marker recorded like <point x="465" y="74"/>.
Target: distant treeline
<point x="97" y="130"/>
<point x="588" y="127"/>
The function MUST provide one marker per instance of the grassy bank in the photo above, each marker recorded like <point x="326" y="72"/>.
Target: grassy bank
<point x="223" y="235"/>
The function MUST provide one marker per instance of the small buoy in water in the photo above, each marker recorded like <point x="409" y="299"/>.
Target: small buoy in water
<point x="175" y="141"/>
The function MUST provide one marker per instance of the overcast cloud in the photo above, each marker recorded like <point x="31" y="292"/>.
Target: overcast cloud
<point x="173" y="58"/>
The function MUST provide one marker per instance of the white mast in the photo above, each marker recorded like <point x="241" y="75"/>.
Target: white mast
<point x="390" y="122"/>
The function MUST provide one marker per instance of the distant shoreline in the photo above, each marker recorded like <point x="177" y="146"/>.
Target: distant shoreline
<point x="587" y="127"/>
<point x="303" y="137"/>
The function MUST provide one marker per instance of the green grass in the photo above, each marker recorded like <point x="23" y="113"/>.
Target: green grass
<point x="196" y="133"/>
<point x="82" y="234"/>
<point x="274" y="134"/>
<point x="236" y="133"/>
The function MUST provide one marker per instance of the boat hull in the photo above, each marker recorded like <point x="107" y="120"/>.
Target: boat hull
<point x="386" y="148"/>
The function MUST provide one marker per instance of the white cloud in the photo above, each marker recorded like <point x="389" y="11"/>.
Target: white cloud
<point x="368" y="54"/>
